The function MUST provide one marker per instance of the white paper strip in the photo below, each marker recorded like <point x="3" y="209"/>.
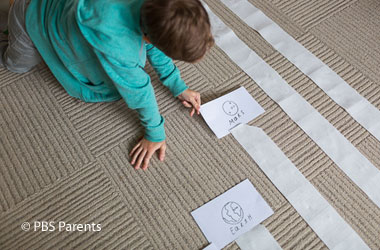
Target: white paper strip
<point x="348" y="158"/>
<point x="314" y="209"/>
<point x="330" y="82"/>
<point x="259" y="238"/>
<point x="211" y="247"/>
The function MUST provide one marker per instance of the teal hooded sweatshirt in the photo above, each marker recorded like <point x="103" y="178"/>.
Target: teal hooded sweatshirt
<point x="95" y="49"/>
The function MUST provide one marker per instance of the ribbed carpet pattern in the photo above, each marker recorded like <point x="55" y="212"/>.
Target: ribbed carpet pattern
<point x="65" y="160"/>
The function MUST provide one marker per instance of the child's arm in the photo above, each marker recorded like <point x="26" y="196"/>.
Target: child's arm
<point x="168" y="73"/>
<point x="170" y="76"/>
<point x="107" y="27"/>
<point x="135" y="87"/>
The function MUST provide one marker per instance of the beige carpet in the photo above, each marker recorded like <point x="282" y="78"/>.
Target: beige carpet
<point x="65" y="160"/>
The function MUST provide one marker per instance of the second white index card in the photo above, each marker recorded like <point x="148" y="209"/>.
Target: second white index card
<point x="233" y="213"/>
<point x="230" y="110"/>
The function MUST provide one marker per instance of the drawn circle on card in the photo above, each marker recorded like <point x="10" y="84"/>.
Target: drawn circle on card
<point x="232" y="213"/>
<point x="230" y="108"/>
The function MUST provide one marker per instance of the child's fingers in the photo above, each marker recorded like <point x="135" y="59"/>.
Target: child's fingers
<point x="198" y="99"/>
<point x="136" y="154"/>
<point x="134" y="148"/>
<point x="141" y="158"/>
<point x="192" y="112"/>
<point x="186" y="104"/>
<point x="161" y="153"/>
<point x="195" y="104"/>
<point x="199" y="103"/>
<point x="147" y="159"/>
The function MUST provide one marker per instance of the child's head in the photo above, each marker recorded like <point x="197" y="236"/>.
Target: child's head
<point x="180" y="28"/>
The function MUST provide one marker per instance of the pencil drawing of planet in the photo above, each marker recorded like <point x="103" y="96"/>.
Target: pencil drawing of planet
<point x="226" y="112"/>
<point x="232" y="213"/>
<point x="230" y="108"/>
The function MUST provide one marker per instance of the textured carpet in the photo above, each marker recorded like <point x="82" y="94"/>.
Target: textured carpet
<point x="65" y="160"/>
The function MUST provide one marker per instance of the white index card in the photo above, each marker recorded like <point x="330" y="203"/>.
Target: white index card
<point x="230" y="110"/>
<point x="225" y="218"/>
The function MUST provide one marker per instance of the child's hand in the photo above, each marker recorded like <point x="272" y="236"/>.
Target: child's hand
<point x="191" y="99"/>
<point x="144" y="150"/>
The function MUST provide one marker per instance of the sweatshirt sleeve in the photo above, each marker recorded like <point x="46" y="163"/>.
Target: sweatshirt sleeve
<point x="112" y="29"/>
<point x="167" y="71"/>
<point x="134" y="85"/>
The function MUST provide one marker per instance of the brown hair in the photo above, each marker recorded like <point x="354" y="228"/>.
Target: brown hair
<point x="180" y="28"/>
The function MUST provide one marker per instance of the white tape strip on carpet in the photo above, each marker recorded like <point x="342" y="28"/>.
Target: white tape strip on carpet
<point x="348" y="158"/>
<point x="309" y="203"/>
<point x="330" y="82"/>
<point x="259" y="238"/>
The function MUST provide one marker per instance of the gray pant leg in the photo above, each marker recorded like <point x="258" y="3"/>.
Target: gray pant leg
<point x="20" y="55"/>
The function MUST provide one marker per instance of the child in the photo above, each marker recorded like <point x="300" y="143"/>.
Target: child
<point x="97" y="50"/>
